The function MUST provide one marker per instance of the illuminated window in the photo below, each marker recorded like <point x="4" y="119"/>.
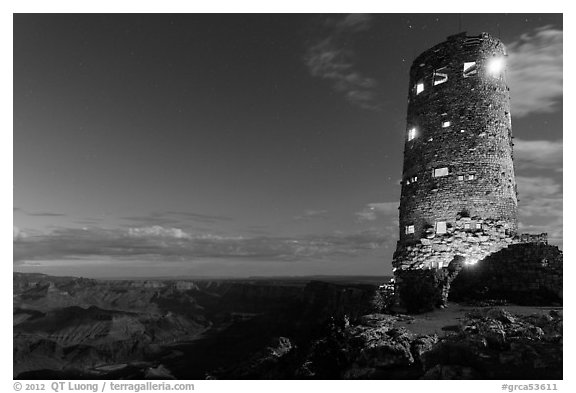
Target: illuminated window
<point x="411" y="180"/>
<point x="466" y="225"/>
<point x="441" y="227"/>
<point x="495" y="66"/>
<point x="478" y="225"/>
<point x="471" y="176"/>
<point x="439" y="172"/>
<point x="445" y="124"/>
<point x="419" y="87"/>
<point x="462" y="130"/>
<point x="408" y="229"/>
<point x="470" y="69"/>
<point x="440" y="75"/>
<point x="411" y="133"/>
<point x="460" y="177"/>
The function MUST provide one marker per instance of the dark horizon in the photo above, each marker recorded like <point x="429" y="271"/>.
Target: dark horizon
<point x="245" y="144"/>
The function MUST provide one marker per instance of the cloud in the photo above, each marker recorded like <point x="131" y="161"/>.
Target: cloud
<point x="175" y="218"/>
<point x="38" y="214"/>
<point x="351" y="23"/>
<point x="540" y="206"/>
<point x="538" y="154"/>
<point x="166" y="244"/>
<point x="159" y="232"/>
<point x="535" y="71"/>
<point x="330" y="57"/>
<point x="311" y="214"/>
<point x="552" y="228"/>
<point x="374" y="210"/>
<point x="539" y="196"/>
<point x="17" y="233"/>
<point x="197" y="216"/>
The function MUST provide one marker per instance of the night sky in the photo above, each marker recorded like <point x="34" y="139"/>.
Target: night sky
<point x="244" y="144"/>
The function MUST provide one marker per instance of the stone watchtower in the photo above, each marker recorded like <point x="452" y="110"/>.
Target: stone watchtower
<point x="458" y="188"/>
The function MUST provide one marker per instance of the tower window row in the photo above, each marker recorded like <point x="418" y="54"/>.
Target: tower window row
<point x="413" y="131"/>
<point x="494" y="68"/>
<point x="441" y="172"/>
<point x="440" y="227"/>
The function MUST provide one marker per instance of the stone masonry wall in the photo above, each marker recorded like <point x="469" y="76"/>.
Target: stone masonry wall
<point x="522" y="273"/>
<point x="525" y="273"/>
<point x="473" y="238"/>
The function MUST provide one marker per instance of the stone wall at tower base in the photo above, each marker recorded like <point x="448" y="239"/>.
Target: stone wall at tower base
<point x="522" y="273"/>
<point x="473" y="238"/>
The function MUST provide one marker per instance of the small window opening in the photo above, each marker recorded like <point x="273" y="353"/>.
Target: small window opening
<point x="478" y="225"/>
<point x="439" y="172"/>
<point x="419" y="87"/>
<point x="411" y="180"/>
<point x="441" y="227"/>
<point x="411" y="133"/>
<point x="446" y="124"/>
<point x="440" y="75"/>
<point x="472" y="41"/>
<point x="471" y="176"/>
<point x="409" y="229"/>
<point x="470" y="69"/>
<point x="460" y="177"/>
<point x="466" y="225"/>
<point x="462" y="130"/>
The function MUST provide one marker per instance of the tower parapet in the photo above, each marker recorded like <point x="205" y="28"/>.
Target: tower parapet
<point x="458" y="188"/>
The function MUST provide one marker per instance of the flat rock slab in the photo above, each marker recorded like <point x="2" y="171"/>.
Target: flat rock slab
<point x="433" y="322"/>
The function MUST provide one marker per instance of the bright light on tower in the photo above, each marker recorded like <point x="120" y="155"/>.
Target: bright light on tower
<point x="496" y="66"/>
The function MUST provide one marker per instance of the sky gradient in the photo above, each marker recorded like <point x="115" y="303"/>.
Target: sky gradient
<point x="245" y="144"/>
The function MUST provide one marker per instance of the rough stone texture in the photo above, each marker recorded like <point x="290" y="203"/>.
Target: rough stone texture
<point x="477" y="142"/>
<point x="488" y="343"/>
<point x="527" y="274"/>
<point x="494" y="344"/>
<point x="462" y="238"/>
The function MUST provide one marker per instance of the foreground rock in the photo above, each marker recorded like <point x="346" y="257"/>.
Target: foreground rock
<point x="494" y="344"/>
<point x="488" y="344"/>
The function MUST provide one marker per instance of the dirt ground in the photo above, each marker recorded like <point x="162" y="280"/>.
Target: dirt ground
<point x="439" y="321"/>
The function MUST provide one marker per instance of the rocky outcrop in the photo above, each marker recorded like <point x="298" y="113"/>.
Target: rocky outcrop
<point x="488" y="344"/>
<point x="495" y="344"/>
<point x="266" y="363"/>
